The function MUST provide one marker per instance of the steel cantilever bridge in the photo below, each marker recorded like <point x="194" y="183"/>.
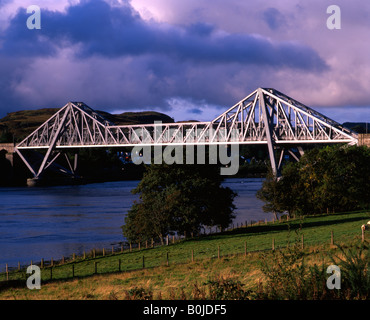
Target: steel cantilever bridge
<point x="266" y="116"/>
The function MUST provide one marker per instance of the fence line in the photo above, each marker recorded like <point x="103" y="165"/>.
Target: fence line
<point x="75" y="261"/>
<point x="80" y="267"/>
<point x="130" y="247"/>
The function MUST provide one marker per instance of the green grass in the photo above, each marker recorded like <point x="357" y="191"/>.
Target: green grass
<point x="316" y="231"/>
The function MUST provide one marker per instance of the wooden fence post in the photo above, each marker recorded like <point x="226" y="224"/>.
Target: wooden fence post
<point x="192" y="255"/>
<point x="94" y="253"/>
<point x="42" y="263"/>
<point x="302" y="241"/>
<point x="168" y="262"/>
<point x="332" y="238"/>
<point x="273" y="244"/>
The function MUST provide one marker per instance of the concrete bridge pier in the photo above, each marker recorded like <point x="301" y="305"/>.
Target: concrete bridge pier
<point x="33" y="182"/>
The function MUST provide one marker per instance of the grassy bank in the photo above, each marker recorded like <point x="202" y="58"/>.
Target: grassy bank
<point x="183" y="269"/>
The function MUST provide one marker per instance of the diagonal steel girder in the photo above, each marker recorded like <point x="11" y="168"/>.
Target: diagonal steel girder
<point x="265" y="116"/>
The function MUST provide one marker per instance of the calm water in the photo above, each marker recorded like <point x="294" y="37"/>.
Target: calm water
<point x="58" y="221"/>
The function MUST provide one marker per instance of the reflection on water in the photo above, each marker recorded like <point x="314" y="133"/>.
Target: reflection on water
<point x="57" y="221"/>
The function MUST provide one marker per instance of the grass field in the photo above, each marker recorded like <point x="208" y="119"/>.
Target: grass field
<point x="182" y="269"/>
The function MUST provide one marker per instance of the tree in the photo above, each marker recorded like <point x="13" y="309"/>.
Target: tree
<point x="271" y="195"/>
<point x="330" y="179"/>
<point x="178" y="198"/>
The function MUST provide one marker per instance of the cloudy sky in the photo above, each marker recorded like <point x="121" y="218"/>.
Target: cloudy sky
<point x="189" y="59"/>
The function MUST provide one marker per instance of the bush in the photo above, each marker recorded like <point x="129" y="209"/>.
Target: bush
<point x="289" y="277"/>
<point x="139" y="294"/>
<point x="354" y="264"/>
<point x="226" y="289"/>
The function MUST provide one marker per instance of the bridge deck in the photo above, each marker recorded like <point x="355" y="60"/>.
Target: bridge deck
<point x="265" y="116"/>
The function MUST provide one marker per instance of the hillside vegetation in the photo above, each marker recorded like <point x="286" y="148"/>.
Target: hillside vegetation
<point x="21" y="123"/>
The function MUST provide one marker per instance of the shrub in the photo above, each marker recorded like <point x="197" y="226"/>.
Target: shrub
<point x="226" y="289"/>
<point x="139" y="294"/>
<point x="355" y="271"/>
<point x="289" y="277"/>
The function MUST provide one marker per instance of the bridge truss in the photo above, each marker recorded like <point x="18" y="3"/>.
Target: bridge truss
<point x="266" y="116"/>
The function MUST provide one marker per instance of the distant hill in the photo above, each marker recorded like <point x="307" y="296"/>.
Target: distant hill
<point x="21" y="123"/>
<point x="131" y="118"/>
<point x="359" y="127"/>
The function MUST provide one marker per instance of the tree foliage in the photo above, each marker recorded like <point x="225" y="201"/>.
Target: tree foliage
<point x="330" y="179"/>
<point x="178" y="198"/>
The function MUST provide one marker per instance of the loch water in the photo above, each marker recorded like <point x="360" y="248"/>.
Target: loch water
<point x="45" y="222"/>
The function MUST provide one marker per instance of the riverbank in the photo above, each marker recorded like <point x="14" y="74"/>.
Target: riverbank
<point x="183" y="269"/>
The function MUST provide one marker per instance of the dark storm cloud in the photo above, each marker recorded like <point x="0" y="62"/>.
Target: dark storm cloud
<point x="196" y="111"/>
<point x="274" y="18"/>
<point x="102" y="30"/>
<point x="11" y="72"/>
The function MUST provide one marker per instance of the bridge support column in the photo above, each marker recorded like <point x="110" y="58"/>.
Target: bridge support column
<point x="49" y="160"/>
<point x="268" y="127"/>
<point x="285" y="150"/>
